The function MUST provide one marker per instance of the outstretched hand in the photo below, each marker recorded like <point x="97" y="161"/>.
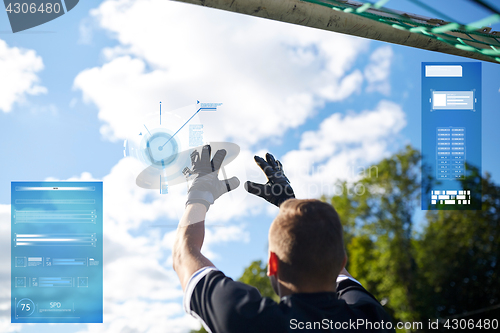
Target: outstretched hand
<point x="277" y="189"/>
<point x="206" y="186"/>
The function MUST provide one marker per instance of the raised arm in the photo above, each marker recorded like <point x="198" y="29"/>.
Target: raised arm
<point x="204" y="190"/>
<point x="187" y="256"/>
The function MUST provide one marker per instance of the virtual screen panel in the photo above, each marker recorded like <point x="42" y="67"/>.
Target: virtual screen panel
<point x="56" y="252"/>
<point x="451" y="136"/>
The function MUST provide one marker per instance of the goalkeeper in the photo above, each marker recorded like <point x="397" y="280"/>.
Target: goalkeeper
<point x="306" y="263"/>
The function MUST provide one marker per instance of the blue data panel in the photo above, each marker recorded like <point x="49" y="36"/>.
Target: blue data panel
<point x="451" y="136"/>
<point x="56" y="252"/>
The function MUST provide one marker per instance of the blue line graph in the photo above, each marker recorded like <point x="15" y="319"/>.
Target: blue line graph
<point x="181" y="127"/>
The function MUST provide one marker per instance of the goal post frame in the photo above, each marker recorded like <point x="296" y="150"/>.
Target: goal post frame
<point x="320" y="17"/>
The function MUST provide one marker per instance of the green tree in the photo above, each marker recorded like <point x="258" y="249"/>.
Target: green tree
<point x="449" y="269"/>
<point x="201" y="330"/>
<point x="377" y="214"/>
<point x="459" y="255"/>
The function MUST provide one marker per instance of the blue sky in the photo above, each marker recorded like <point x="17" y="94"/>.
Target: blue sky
<point x="78" y="86"/>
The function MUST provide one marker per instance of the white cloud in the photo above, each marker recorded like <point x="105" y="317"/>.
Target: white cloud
<point x="86" y="31"/>
<point x="343" y="147"/>
<point x="18" y="68"/>
<point x="217" y="235"/>
<point x="378" y="70"/>
<point x="271" y="76"/>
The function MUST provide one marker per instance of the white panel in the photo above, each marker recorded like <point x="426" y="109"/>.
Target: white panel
<point x="443" y="71"/>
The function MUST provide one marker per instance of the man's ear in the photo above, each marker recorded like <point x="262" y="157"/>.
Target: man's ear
<point x="272" y="264"/>
<point x="344" y="262"/>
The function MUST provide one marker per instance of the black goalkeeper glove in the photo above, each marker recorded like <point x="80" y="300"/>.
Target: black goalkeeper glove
<point x="206" y="186"/>
<point x="278" y="188"/>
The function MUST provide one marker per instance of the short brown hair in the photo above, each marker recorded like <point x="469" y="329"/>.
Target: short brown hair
<point x="307" y="238"/>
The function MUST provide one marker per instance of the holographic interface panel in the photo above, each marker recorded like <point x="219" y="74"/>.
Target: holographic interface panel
<point x="56" y="252"/>
<point x="451" y="136"/>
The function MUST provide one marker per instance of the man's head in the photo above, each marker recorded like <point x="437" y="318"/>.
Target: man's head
<point x="306" y="247"/>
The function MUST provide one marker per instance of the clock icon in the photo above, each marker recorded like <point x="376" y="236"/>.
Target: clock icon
<point x="161" y="147"/>
<point x="25" y="307"/>
<point x="155" y="142"/>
